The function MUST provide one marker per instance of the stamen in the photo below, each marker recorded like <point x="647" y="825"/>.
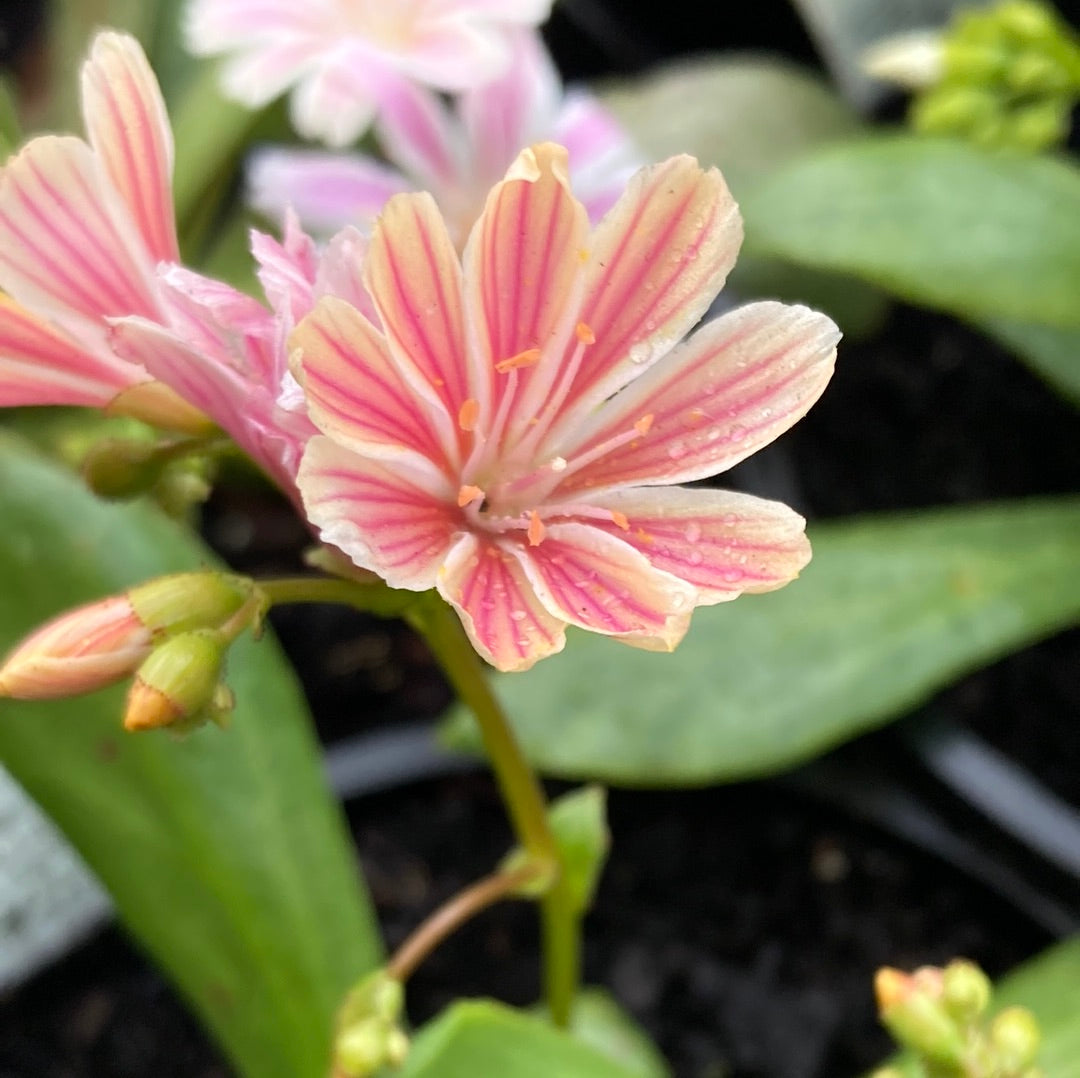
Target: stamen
<point x="522" y="359"/>
<point x="468" y="494"/>
<point x="644" y="423"/>
<point x="584" y="333"/>
<point x="619" y="520"/>
<point x="536" y="529"/>
<point x="468" y="414"/>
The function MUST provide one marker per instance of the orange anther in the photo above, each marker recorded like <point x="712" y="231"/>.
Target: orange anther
<point x="536" y="529"/>
<point x="468" y="494"/>
<point x="522" y="359"/>
<point x="644" y="423"/>
<point x="584" y="333"/>
<point x="619" y="520"/>
<point x="468" y="414"/>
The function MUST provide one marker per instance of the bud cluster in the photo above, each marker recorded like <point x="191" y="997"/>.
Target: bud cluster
<point x="941" y="1016"/>
<point x="1009" y="77"/>
<point x="369" y="1035"/>
<point x="172" y="633"/>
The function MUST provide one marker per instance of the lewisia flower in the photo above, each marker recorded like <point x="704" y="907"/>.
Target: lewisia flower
<point x="457" y="152"/>
<point x="508" y="431"/>
<point x="82" y="226"/>
<point x="347" y="59"/>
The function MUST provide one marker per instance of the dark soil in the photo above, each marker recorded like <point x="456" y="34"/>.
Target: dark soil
<point x="740" y="925"/>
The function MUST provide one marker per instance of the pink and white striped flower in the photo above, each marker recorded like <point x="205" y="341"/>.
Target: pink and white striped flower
<point x="82" y="226"/>
<point x="456" y="151"/>
<point x="346" y="59"/>
<point x="508" y="431"/>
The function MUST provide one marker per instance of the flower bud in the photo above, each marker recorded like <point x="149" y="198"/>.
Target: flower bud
<point x="118" y="468"/>
<point x="912" y="1009"/>
<point x="368" y="1036"/>
<point x="160" y="406"/>
<point x="80" y="651"/>
<point x="965" y="990"/>
<point x="1014" y="1040"/>
<point x="182" y="601"/>
<point x="178" y="682"/>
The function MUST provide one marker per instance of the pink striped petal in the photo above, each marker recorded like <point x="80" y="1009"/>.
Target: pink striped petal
<point x="42" y="365"/>
<point x="592" y="579"/>
<point x="214" y="25"/>
<point x="398" y="522"/>
<point x="487" y="584"/>
<point x="326" y="190"/>
<point x="502" y="117"/>
<point x="722" y="542"/>
<point x="737" y="384"/>
<point x="416" y="133"/>
<point x="524" y="269"/>
<point x="356" y="393"/>
<point x="129" y="130"/>
<point x="414" y="277"/>
<point x="340" y="272"/>
<point x="287" y="269"/>
<point x="65" y="245"/>
<point x="454" y="54"/>
<point x="657" y="261"/>
<point x="338" y="99"/>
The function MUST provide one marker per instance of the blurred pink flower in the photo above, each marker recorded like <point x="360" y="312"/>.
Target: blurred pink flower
<point x="457" y="152"/>
<point x="82" y="226"/>
<point x="506" y="433"/>
<point x="346" y="59"/>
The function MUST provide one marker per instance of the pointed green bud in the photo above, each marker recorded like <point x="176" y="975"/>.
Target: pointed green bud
<point x="1040" y="126"/>
<point x="369" y="1035"/>
<point x="965" y="991"/>
<point x="1036" y="73"/>
<point x="912" y="1009"/>
<point x="172" y="604"/>
<point x="1014" y="1040"/>
<point x="1027" y="21"/>
<point x="178" y="682"/>
<point x="973" y="61"/>
<point x="954" y="109"/>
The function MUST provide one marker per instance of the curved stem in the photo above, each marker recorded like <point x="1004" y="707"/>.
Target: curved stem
<point x="453" y="914"/>
<point x="523" y="796"/>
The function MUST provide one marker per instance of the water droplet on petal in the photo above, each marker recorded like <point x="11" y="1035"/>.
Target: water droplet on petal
<point x="693" y="531"/>
<point x="695" y="557"/>
<point x="677" y="450"/>
<point x="518" y="615"/>
<point x="732" y="575"/>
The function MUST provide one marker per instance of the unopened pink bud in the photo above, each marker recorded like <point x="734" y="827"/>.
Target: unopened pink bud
<point x="80" y="651"/>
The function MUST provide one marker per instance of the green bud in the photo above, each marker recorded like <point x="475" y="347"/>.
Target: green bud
<point x="913" y="1011"/>
<point x="117" y="468"/>
<point x="183" y="601"/>
<point x="975" y="62"/>
<point x="1036" y="73"/>
<point x="952" y="109"/>
<point x="1014" y="1040"/>
<point x="965" y="990"/>
<point x="178" y="682"/>
<point x="369" y="1036"/>
<point x="1040" y="126"/>
<point x="1027" y="21"/>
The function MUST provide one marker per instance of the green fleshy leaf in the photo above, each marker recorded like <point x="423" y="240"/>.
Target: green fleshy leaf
<point x="749" y="115"/>
<point x="1049" y="986"/>
<point x="224" y="852"/>
<point x="890" y="610"/>
<point x="482" y="1038"/>
<point x="598" y="1020"/>
<point x="579" y="823"/>
<point x="1053" y="354"/>
<point x="978" y="233"/>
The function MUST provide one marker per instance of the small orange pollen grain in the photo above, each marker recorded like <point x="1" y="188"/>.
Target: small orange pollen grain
<point x="644" y="536"/>
<point x="522" y="359"/>
<point x="468" y="414"/>
<point x="536" y="529"/>
<point x="619" y="520"/>
<point x="584" y="333"/>
<point x="468" y="494"/>
<point x="643" y="425"/>
<point x="583" y="255"/>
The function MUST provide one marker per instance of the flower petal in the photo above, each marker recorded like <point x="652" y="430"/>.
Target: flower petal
<point x="523" y="277"/>
<point x="657" y="261"/>
<point x="42" y="365"/>
<point x="399" y="523"/>
<point x="287" y="269"/>
<point x="336" y="101"/>
<point x="65" y="243"/>
<point x="722" y="542"/>
<point x="416" y="133"/>
<point x="414" y="277"/>
<point x="508" y="625"/>
<point x="340" y="272"/>
<point x="598" y="581"/>
<point x="733" y="387"/>
<point x="326" y="190"/>
<point x="129" y="130"/>
<point x="356" y="393"/>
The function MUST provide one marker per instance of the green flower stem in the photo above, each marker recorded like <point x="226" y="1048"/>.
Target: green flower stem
<point x="523" y="796"/>
<point x="521" y="790"/>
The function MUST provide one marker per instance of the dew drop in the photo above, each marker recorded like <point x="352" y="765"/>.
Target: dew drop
<point x="693" y="532"/>
<point x="738" y="433"/>
<point x="729" y="519"/>
<point x="640" y="352"/>
<point x="677" y="450"/>
<point x="518" y="615"/>
<point x="732" y="576"/>
<point x="695" y="557"/>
